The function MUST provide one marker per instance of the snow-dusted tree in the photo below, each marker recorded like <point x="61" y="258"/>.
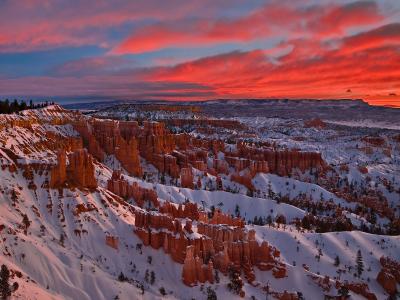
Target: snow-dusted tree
<point x="26" y="223"/>
<point x="211" y="295"/>
<point x="343" y="291"/>
<point x="152" y="277"/>
<point x="360" y="263"/>
<point x="62" y="239"/>
<point x="237" y="211"/>
<point x="5" y="289"/>
<point x="337" y="261"/>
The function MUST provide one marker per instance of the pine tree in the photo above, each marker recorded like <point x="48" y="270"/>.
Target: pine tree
<point x="360" y="263"/>
<point x="237" y="211"/>
<point x="122" y="277"/>
<point x="343" y="291"/>
<point x="211" y="295"/>
<point x="62" y="239"/>
<point x="337" y="261"/>
<point x="152" y="277"/>
<point x="5" y="290"/>
<point x="235" y="284"/>
<point x="26" y="222"/>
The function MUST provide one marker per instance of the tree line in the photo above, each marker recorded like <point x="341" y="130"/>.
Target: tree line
<point x="15" y="106"/>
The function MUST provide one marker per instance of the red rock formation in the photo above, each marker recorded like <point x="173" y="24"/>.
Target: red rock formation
<point x="80" y="170"/>
<point x="279" y="162"/>
<point x="187" y="178"/>
<point x="221" y="218"/>
<point x="221" y="166"/>
<point x="374" y="140"/>
<point x="194" y="271"/>
<point x="389" y="276"/>
<point x="59" y="171"/>
<point x="78" y="173"/>
<point x="244" y="180"/>
<point x="154" y="139"/>
<point x="112" y="241"/>
<point x="121" y="187"/>
<point x="361" y="289"/>
<point x="225" y="245"/>
<point x="112" y="137"/>
<point x="89" y="141"/>
<point x="188" y="210"/>
<point x="387" y="281"/>
<point x="317" y="123"/>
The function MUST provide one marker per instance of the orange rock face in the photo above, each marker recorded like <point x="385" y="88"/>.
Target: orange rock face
<point x="221" y="242"/>
<point x="121" y="187"/>
<point x="112" y="241"/>
<point x="78" y="173"/>
<point x="113" y="138"/>
<point x="194" y="270"/>
<point x="389" y="276"/>
<point x="376" y="141"/>
<point x="187" y="178"/>
<point x="59" y="172"/>
<point x="80" y="170"/>
<point x="361" y="289"/>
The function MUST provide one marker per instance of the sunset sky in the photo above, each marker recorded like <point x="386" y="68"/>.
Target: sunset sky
<point x="206" y="49"/>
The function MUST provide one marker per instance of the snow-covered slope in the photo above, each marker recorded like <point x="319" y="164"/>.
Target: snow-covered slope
<point x="64" y="255"/>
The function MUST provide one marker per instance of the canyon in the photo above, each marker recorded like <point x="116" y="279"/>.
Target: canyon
<point x="215" y="203"/>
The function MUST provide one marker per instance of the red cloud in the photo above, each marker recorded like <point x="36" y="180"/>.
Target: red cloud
<point x="38" y="25"/>
<point x="382" y="36"/>
<point x="271" y="19"/>
<point x="336" y="20"/>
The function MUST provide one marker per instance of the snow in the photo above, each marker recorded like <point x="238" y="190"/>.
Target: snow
<point x="86" y="268"/>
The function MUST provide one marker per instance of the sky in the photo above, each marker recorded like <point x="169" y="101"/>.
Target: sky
<point x="200" y="50"/>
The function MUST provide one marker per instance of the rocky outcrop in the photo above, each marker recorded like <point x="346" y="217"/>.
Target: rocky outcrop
<point x="113" y="138"/>
<point x="244" y="180"/>
<point x="226" y="246"/>
<point x="361" y="289"/>
<point x="112" y="241"/>
<point x="80" y="170"/>
<point x="187" y="178"/>
<point x="194" y="270"/>
<point x="121" y="187"/>
<point x="188" y="210"/>
<point x="389" y="276"/>
<point x="316" y="123"/>
<point x="78" y="173"/>
<point x="59" y="172"/>
<point x="376" y="141"/>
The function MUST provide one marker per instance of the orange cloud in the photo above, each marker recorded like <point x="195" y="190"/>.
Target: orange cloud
<point x="272" y="19"/>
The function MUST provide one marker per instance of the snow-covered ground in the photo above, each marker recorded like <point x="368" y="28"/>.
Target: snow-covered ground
<point x="81" y="266"/>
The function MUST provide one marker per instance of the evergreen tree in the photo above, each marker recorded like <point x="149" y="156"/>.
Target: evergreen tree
<point x="152" y="277"/>
<point x="62" y="239"/>
<point x="343" y="291"/>
<point x="237" y="211"/>
<point x="360" y="263"/>
<point x="5" y="290"/>
<point x="337" y="261"/>
<point x="211" y="295"/>
<point x="122" y="277"/>
<point x="26" y="223"/>
<point x="235" y="284"/>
